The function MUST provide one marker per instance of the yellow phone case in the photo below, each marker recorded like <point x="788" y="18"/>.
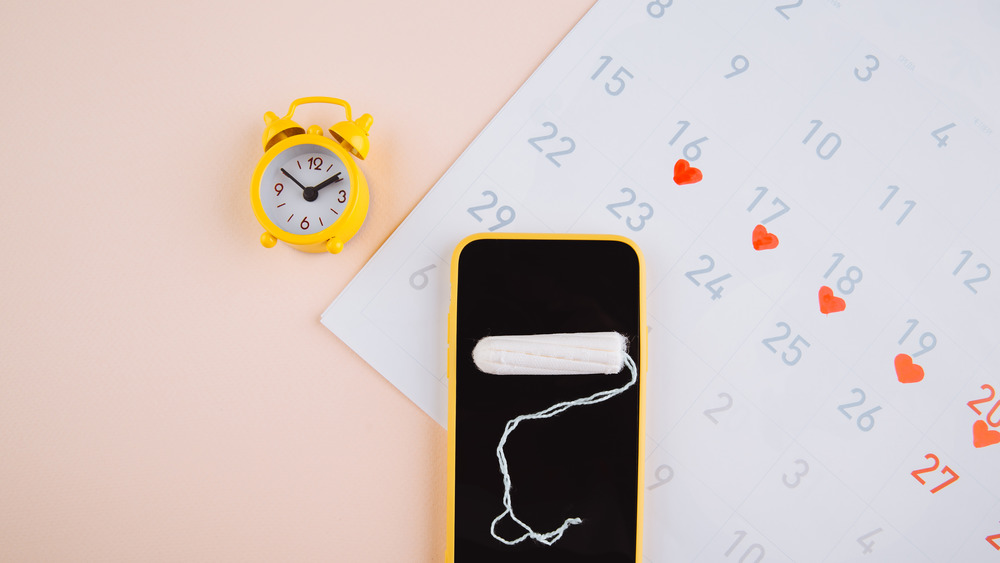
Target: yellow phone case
<point x="452" y="394"/>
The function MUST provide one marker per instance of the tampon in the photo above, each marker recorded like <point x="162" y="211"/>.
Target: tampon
<point x="551" y="354"/>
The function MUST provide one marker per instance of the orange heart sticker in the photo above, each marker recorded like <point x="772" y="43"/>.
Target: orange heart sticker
<point x="684" y="173"/>
<point x="763" y="240"/>
<point x="828" y="303"/>
<point x="982" y="436"/>
<point x="907" y="371"/>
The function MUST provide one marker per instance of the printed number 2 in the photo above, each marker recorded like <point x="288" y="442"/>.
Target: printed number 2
<point x="568" y="142"/>
<point x="781" y="9"/>
<point x="993" y="541"/>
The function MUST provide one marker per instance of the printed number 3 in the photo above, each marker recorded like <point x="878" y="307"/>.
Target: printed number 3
<point x="868" y="69"/>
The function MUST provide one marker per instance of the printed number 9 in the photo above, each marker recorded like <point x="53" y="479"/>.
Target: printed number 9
<point x="740" y="65"/>
<point x="657" y="8"/>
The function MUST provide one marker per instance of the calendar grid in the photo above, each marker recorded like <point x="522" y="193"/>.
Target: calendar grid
<point x="859" y="430"/>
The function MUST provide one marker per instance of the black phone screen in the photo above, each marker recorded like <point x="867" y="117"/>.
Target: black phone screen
<point x="581" y="463"/>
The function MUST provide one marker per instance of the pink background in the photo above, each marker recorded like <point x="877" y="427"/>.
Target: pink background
<point x="166" y="389"/>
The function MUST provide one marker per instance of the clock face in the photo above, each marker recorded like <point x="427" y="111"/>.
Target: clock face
<point x="305" y="189"/>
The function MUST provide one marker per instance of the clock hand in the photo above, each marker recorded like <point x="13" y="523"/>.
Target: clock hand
<point x="331" y="180"/>
<point x="292" y="178"/>
<point x="308" y="194"/>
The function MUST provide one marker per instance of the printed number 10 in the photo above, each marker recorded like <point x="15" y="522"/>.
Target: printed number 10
<point x="830" y="137"/>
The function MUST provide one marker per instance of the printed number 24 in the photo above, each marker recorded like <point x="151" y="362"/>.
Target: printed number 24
<point x="712" y="286"/>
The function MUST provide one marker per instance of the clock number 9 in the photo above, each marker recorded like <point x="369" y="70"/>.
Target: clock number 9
<point x="278" y="188"/>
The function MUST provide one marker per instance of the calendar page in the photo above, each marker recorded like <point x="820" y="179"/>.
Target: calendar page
<point x="815" y="188"/>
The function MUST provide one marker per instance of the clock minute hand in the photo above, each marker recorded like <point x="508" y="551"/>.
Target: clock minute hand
<point x="292" y="178"/>
<point x="331" y="180"/>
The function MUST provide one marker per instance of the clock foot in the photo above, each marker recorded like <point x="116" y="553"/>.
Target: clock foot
<point x="268" y="240"/>
<point x="334" y="246"/>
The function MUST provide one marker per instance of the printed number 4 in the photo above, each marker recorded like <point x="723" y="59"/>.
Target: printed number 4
<point x="863" y="540"/>
<point x="942" y="139"/>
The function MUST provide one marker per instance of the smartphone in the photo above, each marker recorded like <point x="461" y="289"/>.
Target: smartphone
<point x="584" y="463"/>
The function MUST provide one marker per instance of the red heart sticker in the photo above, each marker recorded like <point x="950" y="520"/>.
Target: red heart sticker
<point x="763" y="240"/>
<point x="828" y="303"/>
<point x="684" y="173"/>
<point x="982" y="436"/>
<point x="907" y="371"/>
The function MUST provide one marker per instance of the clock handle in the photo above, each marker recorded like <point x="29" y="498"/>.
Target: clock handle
<point x="320" y="100"/>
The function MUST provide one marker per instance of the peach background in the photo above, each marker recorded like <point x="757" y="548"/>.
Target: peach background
<point x="167" y="392"/>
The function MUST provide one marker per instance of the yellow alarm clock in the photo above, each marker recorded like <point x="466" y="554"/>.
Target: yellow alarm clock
<point x="307" y="190"/>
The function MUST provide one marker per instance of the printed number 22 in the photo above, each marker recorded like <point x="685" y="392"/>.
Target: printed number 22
<point x="569" y="143"/>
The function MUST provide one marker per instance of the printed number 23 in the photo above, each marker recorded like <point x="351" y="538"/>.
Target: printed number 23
<point x="629" y="201"/>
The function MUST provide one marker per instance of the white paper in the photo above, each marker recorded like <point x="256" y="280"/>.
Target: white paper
<point x="858" y="133"/>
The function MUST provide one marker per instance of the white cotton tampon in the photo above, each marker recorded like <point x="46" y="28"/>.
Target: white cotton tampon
<point x="576" y="353"/>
